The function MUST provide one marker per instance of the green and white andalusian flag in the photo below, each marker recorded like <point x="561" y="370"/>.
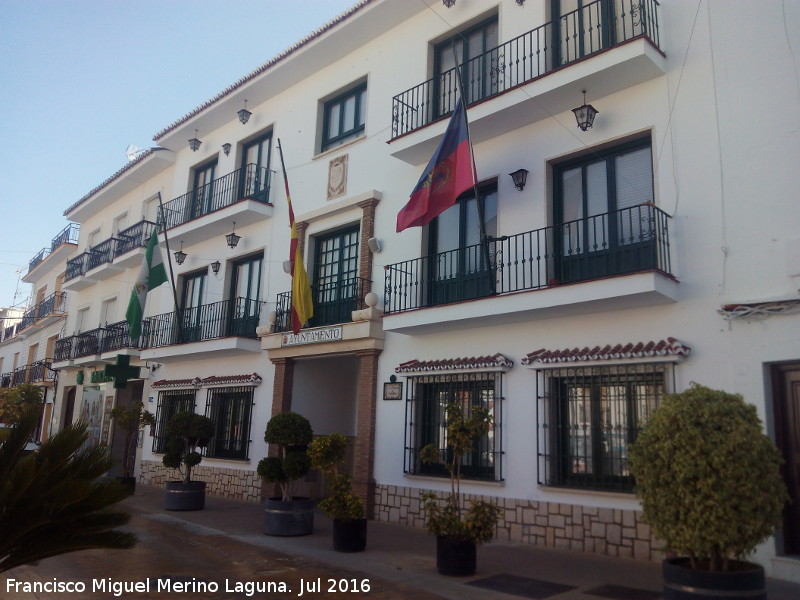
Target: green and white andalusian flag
<point x="151" y="275"/>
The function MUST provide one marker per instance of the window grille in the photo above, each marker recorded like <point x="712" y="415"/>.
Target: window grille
<point x="426" y="399"/>
<point x="230" y="409"/>
<point x="169" y="403"/>
<point x="589" y="416"/>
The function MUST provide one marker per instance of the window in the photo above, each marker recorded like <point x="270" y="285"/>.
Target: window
<point x="229" y="409"/>
<point x="336" y="282"/>
<point x="120" y="223"/>
<point x="255" y="168"/>
<point x="427" y="398"/>
<point x="169" y="403"/>
<point x="108" y="311"/>
<point x="82" y="320"/>
<point x="343" y="117"/>
<point x="589" y="416"/>
<point x="605" y="215"/>
<point x="458" y="267"/>
<point x="192" y="304"/>
<point x="471" y="49"/>
<point x="202" y="197"/>
<point x="246" y="295"/>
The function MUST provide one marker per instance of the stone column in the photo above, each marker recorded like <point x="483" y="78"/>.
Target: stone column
<point x="364" y="455"/>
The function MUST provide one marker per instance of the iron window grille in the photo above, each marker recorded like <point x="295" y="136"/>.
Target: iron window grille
<point x="169" y="403"/>
<point x="230" y="409"/>
<point x="589" y="416"/>
<point x="426" y="399"/>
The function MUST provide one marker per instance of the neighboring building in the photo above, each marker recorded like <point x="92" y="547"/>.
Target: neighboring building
<point x="656" y="248"/>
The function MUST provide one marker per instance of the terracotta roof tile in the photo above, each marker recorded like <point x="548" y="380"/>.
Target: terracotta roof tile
<point x="668" y="347"/>
<point x="213" y="380"/>
<point x="456" y="364"/>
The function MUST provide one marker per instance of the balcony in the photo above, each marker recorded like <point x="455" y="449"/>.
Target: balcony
<point x="623" y="256"/>
<point x="117" y="338"/>
<point x="5" y="380"/>
<point x="333" y="304"/>
<point x="223" y="329"/>
<point x="60" y="247"/>
<point x="46" y="312"/>
<point x="241" y="196"/>
<point x="603" y="47"/>
<point x="109" y="257"/>
<point x="38" y="372"/>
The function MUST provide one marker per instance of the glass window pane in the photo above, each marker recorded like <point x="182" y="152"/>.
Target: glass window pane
<point x="333" y="120"/>
<point x="349" y="120"/>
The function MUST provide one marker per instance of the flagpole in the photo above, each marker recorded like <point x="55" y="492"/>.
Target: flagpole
<point x="163" y="223"/>
<point x="478" y="203"/>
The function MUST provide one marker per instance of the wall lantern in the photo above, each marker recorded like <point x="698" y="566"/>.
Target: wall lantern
<point x="448" y="3"/>
<point x="180" y="255"/>
<point x="226" y="148"/>
<point x="244" y="114"/>
<point x="585" y="114"/>
<point x="520" y="2"/>
<point x="520" y="176"/>
<point x="194" y="143"/>
<point x="232" y="238"/>
<point x="375" y="245"/>
<point x="215" y="266"/>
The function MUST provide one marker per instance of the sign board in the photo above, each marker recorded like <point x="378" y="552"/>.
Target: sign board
<point x="313" y="336"/>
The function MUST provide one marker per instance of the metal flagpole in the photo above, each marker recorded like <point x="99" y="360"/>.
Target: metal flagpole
<point x="163" y="222"/>
<point x="479" y="204"/>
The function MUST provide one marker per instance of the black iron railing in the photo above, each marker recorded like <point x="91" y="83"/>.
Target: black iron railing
<point x="250" y="182"/>
<point x="575" y="35"/>
<point x="88" y="343"/>
<point x="333" y="303"/>
<point x="54" y="303"/>
<point x="19" y="376"/>
<point x="624" y="241"/>
<point x="117" y="336"/>
<point x="135" y="236"/>
<point x="101" y="254"/>
<point x="5" y="380"/>
<point x="41" y="371"/>
<point x="238" y="317"/>
<point x="10" y="331"/>
<point x="76" y="266"/>
<point x="69" y="235"/>
<point x="63" y="349"/>
<point x="28" y="318"/>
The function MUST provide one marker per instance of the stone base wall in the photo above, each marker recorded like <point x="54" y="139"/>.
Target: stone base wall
<point x="609" y="531"/>
<point x="228" y="483"/>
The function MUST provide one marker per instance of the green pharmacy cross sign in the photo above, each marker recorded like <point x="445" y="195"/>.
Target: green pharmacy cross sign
<point x="122" y="371"/>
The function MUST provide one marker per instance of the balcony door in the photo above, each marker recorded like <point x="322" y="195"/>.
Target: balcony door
<point x="605" y="216"/>
<point x="255" y="168"/>
<point x="202" y="197"/>
<point x="471" y="49"/>
<point x="192" y="306"/>
<point x="457" y="268"/>
<point x="246" y="296"/>
<point x="582" y="27"/>
<point x="335" y="277"/>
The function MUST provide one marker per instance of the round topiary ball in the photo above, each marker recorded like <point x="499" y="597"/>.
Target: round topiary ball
<point x="289" y="429"/>
<point x="708" y="476"/>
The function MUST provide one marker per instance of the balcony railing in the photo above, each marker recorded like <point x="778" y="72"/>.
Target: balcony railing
<point x="10" y="331"/>
<point x="575" y="35"/>
<point x="616" y="243"/>
<point x="117" y="336"/>
<point x="238" y="317"/>
<point x="106" y="251"/>
<point x="250" y="182"/>
<point x="333" y="303"/>
<point x="69" y="235"/>
<point x="63" y="349"/>
<point x="41" y="371"/>
<point x="54" y="303"/>
<point x="5" y="380"/>
<point x="88" y="343"/>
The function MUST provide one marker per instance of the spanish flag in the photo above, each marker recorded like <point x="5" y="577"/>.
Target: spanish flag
<point x="302" y="302"/>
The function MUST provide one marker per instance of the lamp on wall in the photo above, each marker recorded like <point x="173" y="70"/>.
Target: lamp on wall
<point x="520" y="176"/>
<point x="375" y="245"/>
<point x="194" y="143"/>
<point x="232" y="238"/>
<point x="215" y="266"/>
<point x="585" y="114"/>
<point x="226" y="148"/>
<point x="448" y="3"/>
<point x="244" y="114"/>
<point x="180" y="255"/>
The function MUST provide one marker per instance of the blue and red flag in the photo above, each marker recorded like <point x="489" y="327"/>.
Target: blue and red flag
<point x="449" y="173"/>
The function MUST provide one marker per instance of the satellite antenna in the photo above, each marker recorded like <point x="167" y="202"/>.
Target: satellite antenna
<point x="133" y="152"/>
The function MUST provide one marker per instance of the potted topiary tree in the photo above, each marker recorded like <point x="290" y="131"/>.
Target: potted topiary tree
<point x="287" y="515"/>
<point x="130" y="419"/>
<point x="342" y="505"/>
<point x="187" y="431"/>
<point x="710" y="485"/>
<point x="458" y="529"/>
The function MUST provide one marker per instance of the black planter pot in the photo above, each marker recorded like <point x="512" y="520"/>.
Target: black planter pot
<point x="349" y="536"/>
<point x="292" y="518"/>
<point x="744" y="580"/>
<point x="184" y="496"/>
<point x="455" y="557"/>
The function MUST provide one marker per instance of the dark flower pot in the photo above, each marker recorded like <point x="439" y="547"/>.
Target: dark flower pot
<point x="292" y="518"/>
<point x="349" y="536"/>
<point x="743" y="580"/>
<point x="455" y="557"/>
<point x="184" y="496"/>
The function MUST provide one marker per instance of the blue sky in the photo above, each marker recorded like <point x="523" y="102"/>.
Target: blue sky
<point x="83" y="79"/>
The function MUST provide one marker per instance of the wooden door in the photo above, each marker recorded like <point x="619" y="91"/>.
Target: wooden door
<point x="786" y="380"/>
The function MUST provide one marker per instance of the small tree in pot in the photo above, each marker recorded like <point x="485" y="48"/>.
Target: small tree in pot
<point x="130" y="419"/>
<point x="187" y="431"/>
<point x="342" y="505"/>
<point x="458" y="529"/>
<point x="285" y="515"/>
<point x="710" y="485"/>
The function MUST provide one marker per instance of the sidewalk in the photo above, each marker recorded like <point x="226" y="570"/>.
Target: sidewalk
<point x="407" y="556"/>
